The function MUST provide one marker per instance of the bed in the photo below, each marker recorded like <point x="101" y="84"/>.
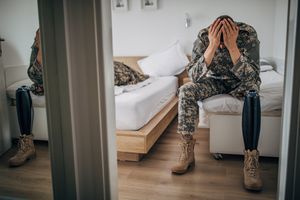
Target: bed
<point x="142" y="115"/>
<point x="159" y="104"/>
<point x="222" y="114"/>
<point x="39" y="128"/>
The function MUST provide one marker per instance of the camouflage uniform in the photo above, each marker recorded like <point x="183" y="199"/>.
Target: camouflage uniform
<point x="220" y="77"/>
<point x="124" y="75"/>
<point x="35" y="72"/>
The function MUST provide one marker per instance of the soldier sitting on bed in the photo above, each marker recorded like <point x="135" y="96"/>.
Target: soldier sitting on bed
<point x="26" y="149"/>
<point x="225" y="60"/>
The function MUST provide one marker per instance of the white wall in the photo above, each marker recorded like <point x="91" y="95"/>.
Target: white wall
<point x="18" y="23"/>
<point x="138" y="32"/>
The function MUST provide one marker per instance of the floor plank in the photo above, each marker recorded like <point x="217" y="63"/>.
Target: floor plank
<point x="151" y="177"/>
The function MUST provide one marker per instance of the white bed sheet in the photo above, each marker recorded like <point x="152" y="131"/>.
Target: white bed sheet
<point x="271" y="96"/>
<point x="136" y="108"/>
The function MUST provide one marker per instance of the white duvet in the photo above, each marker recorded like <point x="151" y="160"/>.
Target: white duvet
<point x="136" y="108"/>
<point x="271" y="96"/>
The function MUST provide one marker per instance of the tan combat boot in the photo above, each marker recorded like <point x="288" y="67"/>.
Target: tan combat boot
<point x="25" y="151"/>
<point x="187" y="157"/>
<point x="252" y="180"/>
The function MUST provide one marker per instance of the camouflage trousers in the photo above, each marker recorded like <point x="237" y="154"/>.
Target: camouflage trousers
<point x="190" y="93"/>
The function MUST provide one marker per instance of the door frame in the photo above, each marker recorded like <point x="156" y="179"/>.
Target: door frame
<point x="77" y="58"/>
<point x="289" y="163"/>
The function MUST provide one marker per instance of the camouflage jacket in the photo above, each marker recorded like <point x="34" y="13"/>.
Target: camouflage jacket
<point x="124" y="75"/>
<point x="244" y="75"/>
<point x="35" y="72"/>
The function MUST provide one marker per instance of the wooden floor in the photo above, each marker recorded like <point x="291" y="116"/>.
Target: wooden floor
<point x="31" y="181"/>
<point x="151" y="178"/>
<point x="210" y="179"/>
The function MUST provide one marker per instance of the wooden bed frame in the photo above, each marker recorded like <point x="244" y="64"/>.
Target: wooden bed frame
<point x="133" y="145"/>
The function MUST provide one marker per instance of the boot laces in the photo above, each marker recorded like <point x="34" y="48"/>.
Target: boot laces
<point x="184" y="152"/>
<point x="252" y="165"/>
<point x="22" y="145"/>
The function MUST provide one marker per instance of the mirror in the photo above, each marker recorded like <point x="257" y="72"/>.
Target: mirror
<point x="25" y="166"/>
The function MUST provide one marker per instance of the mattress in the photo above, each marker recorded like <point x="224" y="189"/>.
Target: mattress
<point x="37" y="101"/>
<point x="136" y="108"/>
<point x="271" y="96"/>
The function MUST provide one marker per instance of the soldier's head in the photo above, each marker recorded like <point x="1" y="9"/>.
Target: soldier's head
<point x="222" y="38"/>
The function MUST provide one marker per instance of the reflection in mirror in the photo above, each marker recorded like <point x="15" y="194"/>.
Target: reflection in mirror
<point x="25" y="167"/>
<point x="215" y="87"/>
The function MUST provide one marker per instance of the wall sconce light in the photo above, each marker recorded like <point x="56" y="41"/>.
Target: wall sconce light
<point x="187" y="20"/>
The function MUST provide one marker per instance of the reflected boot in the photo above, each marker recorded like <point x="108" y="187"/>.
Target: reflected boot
<point x="25" y="151"/>
<point x="252" y="180"/>
<point x="187" y="157"/>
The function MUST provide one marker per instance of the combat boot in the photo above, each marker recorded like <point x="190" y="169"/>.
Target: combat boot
<point x="252" y="180"/>
<point x="25" y="151"/>
<point x="186" y="158"/>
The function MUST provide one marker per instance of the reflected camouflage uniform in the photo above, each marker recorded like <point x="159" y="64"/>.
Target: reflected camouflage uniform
<point x="124" y="75"/>
<point x="35" y="72"/>
<point x="220" y="77"/>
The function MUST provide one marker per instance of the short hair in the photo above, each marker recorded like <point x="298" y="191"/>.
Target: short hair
<point x="225" y="17"/>
<point x="221" y="18"/>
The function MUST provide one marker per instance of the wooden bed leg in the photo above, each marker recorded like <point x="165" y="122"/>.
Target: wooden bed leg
<point x="124" y="156"/>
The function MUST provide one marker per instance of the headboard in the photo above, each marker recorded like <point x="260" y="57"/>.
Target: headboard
<point x="132" y="62"/>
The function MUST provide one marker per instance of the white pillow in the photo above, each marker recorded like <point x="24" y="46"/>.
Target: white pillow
<point x="169" y="62"/>
<point x="264" y="68"/>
